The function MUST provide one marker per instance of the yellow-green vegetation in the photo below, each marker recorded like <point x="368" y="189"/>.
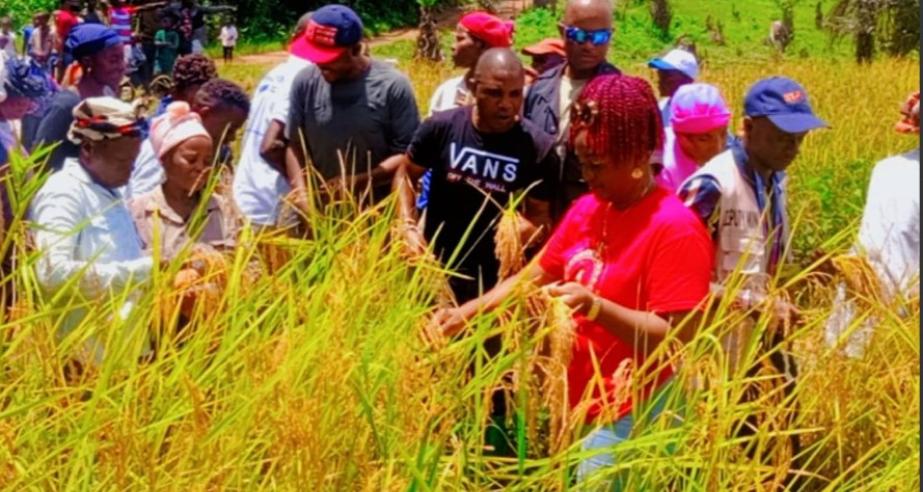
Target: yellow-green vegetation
<point x="316" y="377"/>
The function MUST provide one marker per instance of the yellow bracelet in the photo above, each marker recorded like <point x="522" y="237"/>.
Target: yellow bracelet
<point x="594" y="309"/>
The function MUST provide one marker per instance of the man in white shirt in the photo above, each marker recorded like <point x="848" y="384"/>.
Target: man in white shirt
<point x="889" y="237"/>
<point x="476" y="33"/>
<point x="260" y="182"/>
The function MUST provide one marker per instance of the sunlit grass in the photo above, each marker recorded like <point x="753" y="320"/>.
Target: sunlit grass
<point x="316" y="377"/>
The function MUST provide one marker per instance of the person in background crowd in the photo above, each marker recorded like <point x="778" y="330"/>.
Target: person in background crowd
<point x="81" y="226"/>
<point x="476" y="32"/>
<point x="222" y="107"/>
<point x="65" y="18"/>
<point x="192" y="26"/>
<point x="260" y="183"/>
<point x="93" y="14"/>
<point x="674" y="70"/>
<point x="697" y="132"/>
<point x="630" y="261"/>
<point x="98" y="50"/>
<point x="185" y="149"/>
<point x="228" y="37"/>
<point x="167" y="42"/>
<point x="889" y="237"/>
<point x="7" y="37"/>
<point x="587" y="32"/>
<point x="121" y="19"/>
<point x="148" y="25"/>
<point x="20" y="89"/>
<point x="346" y="108"/>
<point x="190" y="72"/>
<point x="545" y="54"/>
<point x="42" y="42"/>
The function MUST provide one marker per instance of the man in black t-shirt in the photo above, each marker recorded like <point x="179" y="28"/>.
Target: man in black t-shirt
<point x="480" y="158"/>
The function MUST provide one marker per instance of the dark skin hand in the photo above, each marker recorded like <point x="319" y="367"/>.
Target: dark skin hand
<point x="272" y="148"/>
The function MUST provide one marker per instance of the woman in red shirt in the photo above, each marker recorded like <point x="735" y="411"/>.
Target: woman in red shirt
<point x="628" y="258"/>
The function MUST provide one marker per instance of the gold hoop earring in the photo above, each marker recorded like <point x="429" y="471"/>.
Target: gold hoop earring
<point x="638" y="173"/>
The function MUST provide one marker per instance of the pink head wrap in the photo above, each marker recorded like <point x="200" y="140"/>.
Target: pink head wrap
<point x="174" y="127"/>
<point x="698" y="108"/>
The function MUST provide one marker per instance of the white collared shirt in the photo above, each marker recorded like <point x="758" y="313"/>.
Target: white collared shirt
<point x="84" y="230"/>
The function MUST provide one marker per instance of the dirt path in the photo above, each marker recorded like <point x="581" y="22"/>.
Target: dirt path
<point x="444" y="20"/>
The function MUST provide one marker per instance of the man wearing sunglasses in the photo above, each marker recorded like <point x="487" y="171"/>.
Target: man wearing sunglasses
<point x="587" y="32"/>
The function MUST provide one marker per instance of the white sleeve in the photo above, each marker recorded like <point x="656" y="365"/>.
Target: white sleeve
<point x="882" y="233"/>
<point x="59" y="221"/>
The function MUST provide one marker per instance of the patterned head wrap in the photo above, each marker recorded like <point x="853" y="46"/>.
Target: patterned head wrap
<point x="910" y="123"/>
<point x="20" y="79"/>
<point x="101" y="118"/>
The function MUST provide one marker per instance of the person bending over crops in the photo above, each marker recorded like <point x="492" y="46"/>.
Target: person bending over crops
<point x="741" y="195"/>
<point x="889" y="236"/>
<point x="223" y="107"/>
<point x="479" y="156"/>
<point x="587" y="32"/>
<point x="190" y="73"/>
<point x="98" y="50"/>
<point x="697" y="132"/>
<point x="348" y="112"/>
<point x="628" y="259"/>
<point x="260" y="183"/>
<point x="81" y="226"/>
<point x="475" y="33"/>
<point x="184" y="148"/>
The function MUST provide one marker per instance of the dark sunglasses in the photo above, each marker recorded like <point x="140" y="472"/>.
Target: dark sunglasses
<point x="598" y="37"/>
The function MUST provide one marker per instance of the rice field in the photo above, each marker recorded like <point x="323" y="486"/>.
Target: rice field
<point x="315" y="376"/>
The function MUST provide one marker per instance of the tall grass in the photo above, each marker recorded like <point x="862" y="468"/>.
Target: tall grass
<point x="317" y="378"/>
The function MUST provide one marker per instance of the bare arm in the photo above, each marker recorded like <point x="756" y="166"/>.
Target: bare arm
<point x="294" y="163"/>
<point x="273" y="147"/>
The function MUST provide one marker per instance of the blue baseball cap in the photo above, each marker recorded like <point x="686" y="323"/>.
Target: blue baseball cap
<point x="331" y="31"/>
<point x="785" y="103"/>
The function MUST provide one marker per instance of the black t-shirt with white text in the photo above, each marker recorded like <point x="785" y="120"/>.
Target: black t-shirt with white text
<point x="474" y="175"/>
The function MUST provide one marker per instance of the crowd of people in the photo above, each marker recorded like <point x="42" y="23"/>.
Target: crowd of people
<point x="639" y="210"/>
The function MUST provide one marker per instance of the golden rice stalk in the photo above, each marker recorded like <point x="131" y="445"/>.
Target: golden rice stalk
<point x="859" y="276"/>
<point x="508" y="245"/>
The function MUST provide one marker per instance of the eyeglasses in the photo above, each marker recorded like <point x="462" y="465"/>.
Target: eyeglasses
<point x="598" y="37"/>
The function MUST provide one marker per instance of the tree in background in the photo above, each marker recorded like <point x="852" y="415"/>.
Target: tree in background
<point x="428" y="47"/>
<point x="894" y="24"/>
<point x="661" y="14"/>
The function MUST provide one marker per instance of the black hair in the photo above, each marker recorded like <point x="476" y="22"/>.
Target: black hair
<point x="192" y="70"/>
<point x="221" y="92"/>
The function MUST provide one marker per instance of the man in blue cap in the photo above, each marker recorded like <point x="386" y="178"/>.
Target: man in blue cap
<point x="741" y="196"/>
<point x="348" y="112"/>
<point x="99" y="51"/>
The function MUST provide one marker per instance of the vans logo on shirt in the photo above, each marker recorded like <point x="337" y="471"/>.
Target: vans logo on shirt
<point x="482" y="168"/>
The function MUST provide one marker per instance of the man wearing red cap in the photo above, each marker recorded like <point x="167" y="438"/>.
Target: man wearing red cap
<point x="545" y="54"/>
<point x="346" y="110"/>
<point x="476" y="33"/>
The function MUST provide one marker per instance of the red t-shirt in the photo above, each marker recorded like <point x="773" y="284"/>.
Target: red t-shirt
<point x="64" y="20"/>
<point x="657" y="256"/>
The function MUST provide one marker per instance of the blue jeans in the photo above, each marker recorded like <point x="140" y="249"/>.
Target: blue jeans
<point x="606" y="439"/>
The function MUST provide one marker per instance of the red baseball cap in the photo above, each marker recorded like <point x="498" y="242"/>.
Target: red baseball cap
<point x="497" y="33"/>
<point x="330" y="32"/>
